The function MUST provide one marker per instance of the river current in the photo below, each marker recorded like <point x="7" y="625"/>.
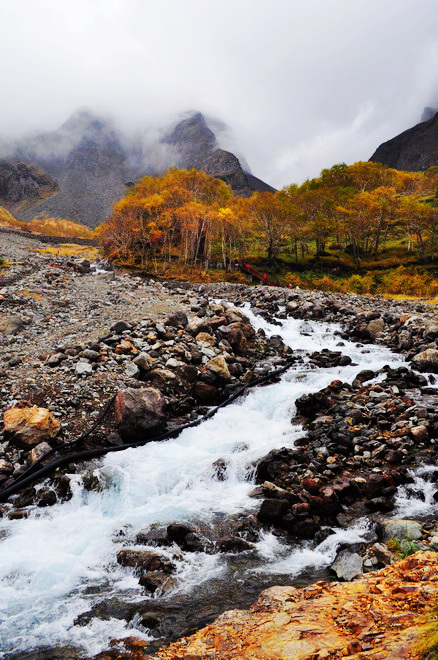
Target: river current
<point x="61" y="560"/>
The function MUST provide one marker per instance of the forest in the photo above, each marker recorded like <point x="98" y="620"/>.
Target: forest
<point x="362" y="228"/>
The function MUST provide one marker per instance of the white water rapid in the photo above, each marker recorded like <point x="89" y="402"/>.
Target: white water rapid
<point x="61" y="560"/>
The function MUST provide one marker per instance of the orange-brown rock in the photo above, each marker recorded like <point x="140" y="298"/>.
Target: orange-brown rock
<point x="378" y="616"/>
<point x="30" y="426"/>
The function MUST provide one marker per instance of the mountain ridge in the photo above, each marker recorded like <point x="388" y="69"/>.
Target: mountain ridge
<point x="92" y="162"/>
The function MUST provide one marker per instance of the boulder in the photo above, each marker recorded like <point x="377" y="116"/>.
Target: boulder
<point x="347" y="565"/>
<point x="233" y="544"/>
<point x="38" y="451"/>
<point x="272" y="510"/>
<point x="401" y="529"/>
<point x="177" y="320"/>
<point x="419" y="433"/>
<point x="145" y="559"/>
<point x="156" y="582"/>
<point x="197" y="325"/>
<point x="375" y="327"/>
<point x="83" y="369"/>
<point x="219" y="367"/>
<point x="30" y="426"/>
<point x="10" y="325"/>
<point x="139" y="412"/>
<point x="426" y="361"/>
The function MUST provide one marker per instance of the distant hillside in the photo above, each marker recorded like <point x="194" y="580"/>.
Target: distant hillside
<point x="23" y="185"/>
<point x="413" y="150"/>
<point x="93" y="161"/>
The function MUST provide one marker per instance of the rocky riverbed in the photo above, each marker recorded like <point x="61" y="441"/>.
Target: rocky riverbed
<point x="168" y="353"/>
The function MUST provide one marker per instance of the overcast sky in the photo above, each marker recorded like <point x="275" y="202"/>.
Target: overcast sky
<point x="303" y="84"/>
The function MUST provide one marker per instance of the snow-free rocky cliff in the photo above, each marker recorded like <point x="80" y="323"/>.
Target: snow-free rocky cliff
<point x="92" y="161"/>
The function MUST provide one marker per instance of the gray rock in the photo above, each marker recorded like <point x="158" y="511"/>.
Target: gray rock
<point x="375" y="327"/>
<point x="83" y="368"/>
<point x="347" y="565"/>
<point x="131" y="370"/>
<point x="401" y="529"/>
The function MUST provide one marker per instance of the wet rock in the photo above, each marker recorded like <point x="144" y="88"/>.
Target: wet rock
<point x="139" y="412"/>
<point x="40" y="450"/>
<point x="347" y="565"/>
<point x="204" y="392"/>
<point x="233" y="544"/>
<point x="272" y="510"/>
<point x="153" y="582"/>
<point x="29" y="427"/>
<point x="46" y="497"/>
<point x="144" y="559"/>
<point x="177" y="532"/>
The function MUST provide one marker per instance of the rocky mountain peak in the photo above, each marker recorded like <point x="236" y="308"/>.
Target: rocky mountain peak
<point x="414" y="150"/>
<point x="91" y="160"/>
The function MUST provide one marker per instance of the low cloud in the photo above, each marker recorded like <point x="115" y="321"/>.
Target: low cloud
<point x="298" y="86"/>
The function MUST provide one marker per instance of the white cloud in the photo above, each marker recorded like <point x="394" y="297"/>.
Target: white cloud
<point x="291" y="78"/>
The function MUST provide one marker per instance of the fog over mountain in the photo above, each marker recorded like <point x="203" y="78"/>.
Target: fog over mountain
<point x="300" y="85"/>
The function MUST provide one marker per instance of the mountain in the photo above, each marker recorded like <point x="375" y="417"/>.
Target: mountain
<point x="413" y="150"/>
<point x="92" y="161"/>
<point x="198" y="147"/>
<point x="23" y="185"/>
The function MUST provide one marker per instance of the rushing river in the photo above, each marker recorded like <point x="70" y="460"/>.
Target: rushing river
<point x="58" y="562"/>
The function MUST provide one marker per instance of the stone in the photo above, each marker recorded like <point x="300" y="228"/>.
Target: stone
<point x="419" y="433"/>
<point x="10" y="325"/>
<point x="144" y="361"/>
<point x="219" y="367"/>
<point x="426" y="360"/>
<point x="120" y="327"/>
<point x="30" y="426"/>
<point x="433" y="543"/>
<point x="40" y="450"/>
<point x="139" y="412"/>
<point x="382" y="554"/>
<point x="233" y="544"/>
<point x="83" y="369"/>
<point x="145" y="559"/>
<point x="91" y="355"/>
<point x="156" y="582"/>
<point x="177" y="319"/>
<point x="55" y="359"/>
<point x="131" y="370"/>
<point x="272" y="510"/>
<point x="401" y="529"/>
<point x="347" y="565"/>
<point x="375" y="327"/>
<point x="204" y="392"/>
<point x="197" y="325"/>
